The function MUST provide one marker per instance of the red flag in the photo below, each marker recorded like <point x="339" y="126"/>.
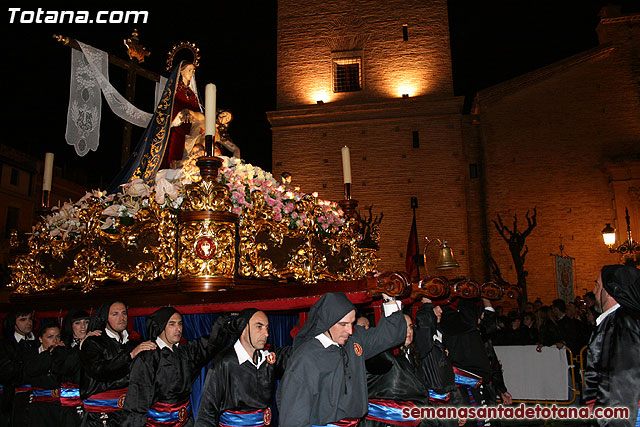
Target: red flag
<point x="412" y="251"/>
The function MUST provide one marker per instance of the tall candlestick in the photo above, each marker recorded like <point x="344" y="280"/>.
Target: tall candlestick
<point x="48" y="172"/>
<point x="210" y="110"/>
<point x="346" y="165"/>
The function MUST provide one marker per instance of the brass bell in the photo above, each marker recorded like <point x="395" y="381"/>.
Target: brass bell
<point x="446" y="259"/>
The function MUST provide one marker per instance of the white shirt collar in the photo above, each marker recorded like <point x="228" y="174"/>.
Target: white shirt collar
<point x="40" y="349"/>
<point x="111" y="334"/>
<point x="606" y="313"/>
<point x="244" y="356"/>
<point x="20" y="337"/>
<point x="161" y="344"/>
<point x="325" y="340"/>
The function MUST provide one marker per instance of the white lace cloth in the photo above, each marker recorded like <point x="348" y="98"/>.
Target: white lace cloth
<point x="89" y="76"/>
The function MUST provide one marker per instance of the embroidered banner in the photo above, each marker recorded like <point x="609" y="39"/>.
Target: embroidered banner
<point x="564" y="277"/>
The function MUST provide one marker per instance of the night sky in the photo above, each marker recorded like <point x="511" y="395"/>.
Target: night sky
<point x="491" y="41"/>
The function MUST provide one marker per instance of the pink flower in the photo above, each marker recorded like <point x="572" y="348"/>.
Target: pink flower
<point x="237" y="210"/>
<point x="289" y="207"/>
<point x="277" y="217"/>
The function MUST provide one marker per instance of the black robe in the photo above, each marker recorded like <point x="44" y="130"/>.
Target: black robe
<point x="13" y="405"/>
<point x="37" y="372"/>
<point x="105" y="366"/>
<point x="466" y="346"/>
<point x="612" y="371"/>
<point x="231" y="386"/>
<point x="66" y="367"/>
<point x="165" y="375"/>
<point x="326" y="385"/>
<point x="470" y="351"/>
<point x="435" y="368"/>
<point x="395" y="377"/>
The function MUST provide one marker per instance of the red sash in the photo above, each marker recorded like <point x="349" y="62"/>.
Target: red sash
<point x="107" y="401"/>
<point x="70" y="395"/>
<point x="169" y="414"/>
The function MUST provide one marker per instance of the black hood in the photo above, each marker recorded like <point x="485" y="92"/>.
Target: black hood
<point x="622" y="282"/>
<point x="325" y="313"/>
<point x="235" y="326"/>
<point x="98" y="320"/>
<point x="157" y="321"/>
<point x="67" y="324"/>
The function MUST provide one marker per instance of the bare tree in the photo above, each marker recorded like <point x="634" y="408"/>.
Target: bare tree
<point x="518" y="249"/>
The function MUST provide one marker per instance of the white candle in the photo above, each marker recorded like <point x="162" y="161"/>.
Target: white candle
<point x="346" y="165"/>
<point x="48" y="172"/>
<point x="210" y="110"/>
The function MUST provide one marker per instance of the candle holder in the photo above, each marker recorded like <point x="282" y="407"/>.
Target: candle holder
<point x="208" y="145"/>
<point x="347" y="191"/>
<point x="348" y="206"/>
<point x="44" y="209"/>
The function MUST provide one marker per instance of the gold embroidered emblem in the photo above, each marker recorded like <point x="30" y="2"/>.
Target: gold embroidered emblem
<point x="357" y="349"/>
<point x="267" y="415"/>
<point x="182" y="414"/>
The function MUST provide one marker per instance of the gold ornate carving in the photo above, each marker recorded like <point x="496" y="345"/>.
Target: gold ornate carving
<point x="204" y="243"/>
<point x="221" y="233"/>
<point x="135" y="49"/>
<point x="180" y="46"/>
<point x="143" y="250"/>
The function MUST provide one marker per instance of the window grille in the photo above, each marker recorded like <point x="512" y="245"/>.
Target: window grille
<point x="347" y="74"/>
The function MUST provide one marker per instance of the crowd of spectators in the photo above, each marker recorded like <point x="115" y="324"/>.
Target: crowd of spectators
<point x="560" y="324"/>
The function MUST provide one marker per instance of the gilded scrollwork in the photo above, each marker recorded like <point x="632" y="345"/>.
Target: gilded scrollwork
<point x="215" y="230"/>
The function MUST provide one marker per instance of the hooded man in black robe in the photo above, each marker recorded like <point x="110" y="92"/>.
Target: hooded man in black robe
<point x="395" y="386"/>
<point x="160" y="380"/>
<point x="240" y="383"/>
<point x="106" y="360"/>
<point x="612" y="372"/>
<point x="435" y="368"/>
<point x="325" y="382"/>
<point x="478" y="374"/>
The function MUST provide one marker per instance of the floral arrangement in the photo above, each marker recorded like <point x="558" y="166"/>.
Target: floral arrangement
<point x="241" y="179"/>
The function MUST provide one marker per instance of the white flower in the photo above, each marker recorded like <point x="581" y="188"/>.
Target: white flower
<point x="113" y="210"/>
<point x="165" y="188"/>
<point x="107" y="224"/>
<point x="136" y="188"/>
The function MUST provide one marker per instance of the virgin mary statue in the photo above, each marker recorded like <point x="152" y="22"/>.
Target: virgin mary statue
<point x="177" y="118"/>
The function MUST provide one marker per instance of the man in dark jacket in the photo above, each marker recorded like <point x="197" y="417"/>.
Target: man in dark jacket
<point x="325" y="381"/>
<point x="105" y="362"/>
<point x="612" y="373"/>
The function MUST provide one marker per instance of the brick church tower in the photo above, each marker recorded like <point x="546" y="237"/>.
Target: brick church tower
<point x="376" y="77"/>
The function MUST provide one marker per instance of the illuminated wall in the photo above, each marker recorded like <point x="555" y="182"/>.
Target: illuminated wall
<point x="311" y="35"/>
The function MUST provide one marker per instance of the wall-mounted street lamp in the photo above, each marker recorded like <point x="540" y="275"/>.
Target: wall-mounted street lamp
<point x="628" y="250"/>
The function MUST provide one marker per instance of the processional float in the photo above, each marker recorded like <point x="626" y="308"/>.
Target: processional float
<point x="217" y="224"/>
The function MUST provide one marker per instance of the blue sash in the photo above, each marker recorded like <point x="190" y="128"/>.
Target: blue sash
<point x="242" y="419"/>
<point x="166" y="417"/>
<point x="69" y="393"/>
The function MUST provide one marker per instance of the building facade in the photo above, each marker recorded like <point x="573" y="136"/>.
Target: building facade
<point x="376" y="77"/>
